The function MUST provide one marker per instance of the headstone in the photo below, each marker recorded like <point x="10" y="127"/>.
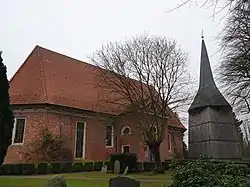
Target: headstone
<point x="117" y="167"/>
<point x="140" y="166"/>
<point x="57" y="181"/>
<point x="123" y="182"/>
<point x="104" y="168"/>
<point x="125" y="171"/>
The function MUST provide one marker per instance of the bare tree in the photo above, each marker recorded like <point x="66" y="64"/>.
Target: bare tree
<point x="235" y="67"/>
<point x="245" y="127"/>
<point x="148" y="78"/>
<point x="235" y="47"/>
<point x="218" y="6"/>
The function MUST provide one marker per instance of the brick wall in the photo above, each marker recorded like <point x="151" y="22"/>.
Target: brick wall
<point x="64" y="124"/>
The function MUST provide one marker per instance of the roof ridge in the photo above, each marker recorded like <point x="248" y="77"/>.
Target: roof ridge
<point x="61" y="54"/>
<point x="42" y="77"/>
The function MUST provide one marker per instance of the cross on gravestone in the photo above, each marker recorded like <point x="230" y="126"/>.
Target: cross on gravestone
<point x="123" y="182"/>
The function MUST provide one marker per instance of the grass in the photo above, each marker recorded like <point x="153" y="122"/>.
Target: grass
<point x="144" y="175"/>
<point x="96" y="179"/>
<point x="19" y="182"/>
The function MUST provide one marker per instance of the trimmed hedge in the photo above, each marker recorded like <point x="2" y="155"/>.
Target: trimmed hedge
<point x="55" y="167"/>
<point x="43" y="168"/>
<point x="66" y="167"/>
<point x="89" y="166"/>
<point x="7" y="169"/>
<point x="125" y="159"/>
<point x="98" y="166"/>
<point x="18" y="169"/>
<point x="77" y="167"/>
<point x="28" y="169"/>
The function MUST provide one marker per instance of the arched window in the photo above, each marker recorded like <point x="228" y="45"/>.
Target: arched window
<point x="126" y="130"/>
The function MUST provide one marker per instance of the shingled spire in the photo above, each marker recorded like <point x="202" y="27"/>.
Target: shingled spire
<point x="208" y="94"/>
<point x="212" y="129"/>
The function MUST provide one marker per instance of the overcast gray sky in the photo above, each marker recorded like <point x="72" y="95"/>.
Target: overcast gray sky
<point x="79" y="27"/>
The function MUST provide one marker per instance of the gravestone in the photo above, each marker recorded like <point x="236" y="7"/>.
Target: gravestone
<point x="125" y="171"/>
<point x="117" y="167"/>
<point x="57" y="181"/>
<point x="123" y="182"/>
<point x="104" y="169"/>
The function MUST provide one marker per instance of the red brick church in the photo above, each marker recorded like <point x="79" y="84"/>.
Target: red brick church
<point x="58" y="92"/>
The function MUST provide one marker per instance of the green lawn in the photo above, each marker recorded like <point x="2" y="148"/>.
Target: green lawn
<point x="144" y="175"/>
<point x="96" y="179"/>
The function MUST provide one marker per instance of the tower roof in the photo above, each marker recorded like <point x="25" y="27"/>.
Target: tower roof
<point x="208" y="94"/>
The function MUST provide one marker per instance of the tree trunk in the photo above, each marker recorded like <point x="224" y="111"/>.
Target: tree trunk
<point x="158" y="164"/>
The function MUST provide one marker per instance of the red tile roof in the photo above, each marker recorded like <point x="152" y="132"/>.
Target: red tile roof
<point x="47" y="77"/>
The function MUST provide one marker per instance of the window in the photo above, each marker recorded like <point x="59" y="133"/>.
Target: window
<point x="126" y="130"/>
<point x="169" y="142"/>
<point x="18" y="131"/>
<point x="80" y="141"/>
<point x="109" y="136"/>
<point x="125" y="148"/>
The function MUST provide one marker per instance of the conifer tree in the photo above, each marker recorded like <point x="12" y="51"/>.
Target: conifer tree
<point x="6" y="114"/>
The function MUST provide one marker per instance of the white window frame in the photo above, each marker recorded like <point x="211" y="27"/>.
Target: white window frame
<point x="84" y="140"/>
<point x="123" y="128"/>
<point x="126" y="146"/>
<point x="170" y="142"/>
<point x="112" y="136"/>
<point x="14" y="131"/>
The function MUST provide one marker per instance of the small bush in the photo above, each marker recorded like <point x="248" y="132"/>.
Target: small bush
<point x="89" y="166"/>
<point x="66" y="167"/>
<point x="42" y="168"/>
<point x="49" y="146"/>
<point x="28" y="169"/>
<point x="203" y="172"/>
<point x="77" y="167"/>
<point x="125" y="159"/>
<point x="55" y="167"/>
